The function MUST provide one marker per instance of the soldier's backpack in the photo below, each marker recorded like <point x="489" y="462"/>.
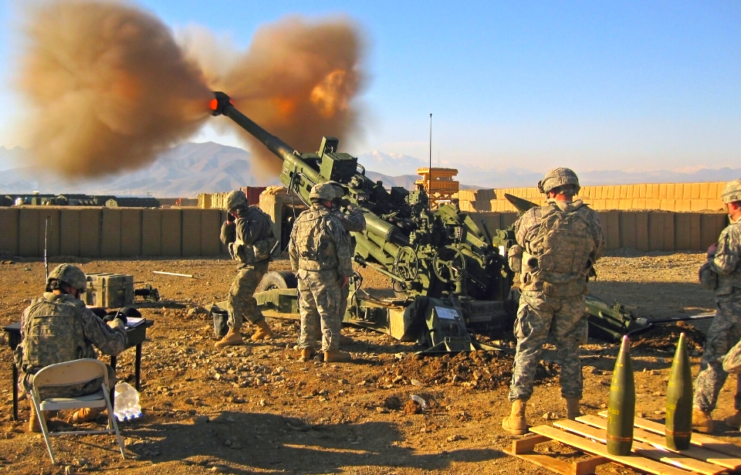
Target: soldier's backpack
<point x="54" y="334"/>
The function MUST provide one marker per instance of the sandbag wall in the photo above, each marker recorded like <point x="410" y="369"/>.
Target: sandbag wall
<point x="111" y="232"/>
<point x="642" y="230"/>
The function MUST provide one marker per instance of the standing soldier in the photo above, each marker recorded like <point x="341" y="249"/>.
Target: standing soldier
<point x="248" y="233"/>
<point x="721" y="273"/>
<point x="57" y="328"/>
<point x="320" y="257"/>
<point x="557" y="244"/>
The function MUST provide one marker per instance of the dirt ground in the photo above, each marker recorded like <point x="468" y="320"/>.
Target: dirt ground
<point x="257" y="409"/>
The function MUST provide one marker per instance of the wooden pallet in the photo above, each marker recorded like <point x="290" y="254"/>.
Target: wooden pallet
<point x="705" y="456"/>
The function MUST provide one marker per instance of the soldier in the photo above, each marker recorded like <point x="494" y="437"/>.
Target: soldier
<point x="557" y="244"/>
<point x="248" y="234"/>
<point x="721" y="274"/>
<point x="320" y="257"/>
<point x="58" y="327"/>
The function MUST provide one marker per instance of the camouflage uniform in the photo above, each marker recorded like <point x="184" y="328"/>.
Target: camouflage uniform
<point x="59" y="328"/>
<point x="320" y="256"/>
<point x="725" y="331"/>
<point x="250" y="240"/>
<point x="553" y="286"/>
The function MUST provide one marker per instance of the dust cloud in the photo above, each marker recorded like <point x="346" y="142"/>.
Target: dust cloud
<point x="297" y="80"/>
<point x="110" y="88"/>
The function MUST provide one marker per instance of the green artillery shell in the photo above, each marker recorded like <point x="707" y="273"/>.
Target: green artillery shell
<point x="679" y="400"/>
<point x="622" y="404"/>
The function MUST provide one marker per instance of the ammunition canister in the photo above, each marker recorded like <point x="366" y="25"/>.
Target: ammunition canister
<point x="679" y="400"/>
<point x="621" y="404"/>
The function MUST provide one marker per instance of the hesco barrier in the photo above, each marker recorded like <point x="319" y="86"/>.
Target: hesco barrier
<point x="131" y="232"/>
<point x="111" y="232"/>
<point x="642" y="230"/>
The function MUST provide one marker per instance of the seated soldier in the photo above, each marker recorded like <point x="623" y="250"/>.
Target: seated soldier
<point x="58" y="327"/>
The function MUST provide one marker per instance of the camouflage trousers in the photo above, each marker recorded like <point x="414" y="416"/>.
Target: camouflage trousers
<point x="319" y="296"/>
<point x="25" y="385"/>
<point x="538" y="317"/>
<point x="724" y="333"/>
<point x="241" y="302"/>
<point x="344" y="294"/>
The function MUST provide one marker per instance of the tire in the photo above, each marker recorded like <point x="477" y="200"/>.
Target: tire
<point x="281" y="279"/>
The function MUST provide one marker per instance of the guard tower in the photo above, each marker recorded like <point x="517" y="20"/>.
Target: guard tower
<point x="442" y="186"/>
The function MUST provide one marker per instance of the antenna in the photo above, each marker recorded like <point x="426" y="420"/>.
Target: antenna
<point x="429" y="176"/>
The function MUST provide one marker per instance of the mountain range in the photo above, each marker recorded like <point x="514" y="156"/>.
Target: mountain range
<point x="192" y="168"/>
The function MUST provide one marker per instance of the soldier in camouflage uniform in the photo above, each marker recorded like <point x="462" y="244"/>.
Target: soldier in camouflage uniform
<point x="557" y="244"/>
<point x="320" y="257"/>
<point x="58" y="327"/>
<point x="248" y="234"/>
<point x="721" y="273"/>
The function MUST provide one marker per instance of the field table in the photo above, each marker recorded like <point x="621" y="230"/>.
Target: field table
<point x="135" y="338"/>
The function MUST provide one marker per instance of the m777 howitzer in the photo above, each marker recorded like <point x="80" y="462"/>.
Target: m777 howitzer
<point x="445" y="269"/>
<point x="606" y="322"/>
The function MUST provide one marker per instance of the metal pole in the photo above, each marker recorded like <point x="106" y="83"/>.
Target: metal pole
<point x="429" y="176"/>
<point x="46" y="241"/>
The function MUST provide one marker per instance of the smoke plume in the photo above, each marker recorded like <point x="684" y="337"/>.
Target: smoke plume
<point x="110" y="88"/>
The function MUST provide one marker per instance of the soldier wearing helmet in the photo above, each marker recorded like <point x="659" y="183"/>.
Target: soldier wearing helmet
<point x="248" y="234"/>
<point x="721" y="274"/>
<point x="557" y="244"/>
<point x="321" y="258"/>
<point x="58" y="327"/>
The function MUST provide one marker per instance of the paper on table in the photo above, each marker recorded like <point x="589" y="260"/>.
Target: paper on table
<point x="134" y="321"/>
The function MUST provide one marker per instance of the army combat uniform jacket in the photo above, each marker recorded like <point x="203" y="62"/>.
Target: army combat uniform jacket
<point x="59" y="328"/>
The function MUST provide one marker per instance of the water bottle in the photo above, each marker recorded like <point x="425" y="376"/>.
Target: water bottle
<point x="126" y="402"/>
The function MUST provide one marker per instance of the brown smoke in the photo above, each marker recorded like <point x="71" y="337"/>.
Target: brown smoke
<point x="108" y="85"/>
<point x="111" y="88"/>
<point x="297" y="80"/>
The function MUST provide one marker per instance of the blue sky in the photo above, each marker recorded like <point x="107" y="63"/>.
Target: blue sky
<point x="595" y="85"/>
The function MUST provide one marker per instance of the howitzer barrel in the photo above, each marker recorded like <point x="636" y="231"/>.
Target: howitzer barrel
<point x="222" y="105"/>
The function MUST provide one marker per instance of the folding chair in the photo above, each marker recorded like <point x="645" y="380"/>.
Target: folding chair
<point x="65" y="374"/>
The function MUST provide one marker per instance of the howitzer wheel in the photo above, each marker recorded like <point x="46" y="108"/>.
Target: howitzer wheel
<point x="449" y="264"/>
<point x="406" y="264"/>
<point x="281" y="279"/>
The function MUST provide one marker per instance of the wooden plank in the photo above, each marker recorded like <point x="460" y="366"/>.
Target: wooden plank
<point x="551" y="463"/>
<point x="641" y="463"/>
<point x="643" y="449"/>
<point x="527" y="444"/>
<point x="697" y="439"/>
<point x="710" y="456"/>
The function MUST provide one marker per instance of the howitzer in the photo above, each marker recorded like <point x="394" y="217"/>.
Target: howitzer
<point x="447" y="272"/>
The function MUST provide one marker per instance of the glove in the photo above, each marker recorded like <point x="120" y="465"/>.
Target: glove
<point x="115" y="315"/>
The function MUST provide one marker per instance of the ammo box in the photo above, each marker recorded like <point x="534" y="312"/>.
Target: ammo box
<point x="109" y="290"/>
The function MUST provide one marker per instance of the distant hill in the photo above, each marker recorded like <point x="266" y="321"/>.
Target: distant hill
<point x="192" y="168"/>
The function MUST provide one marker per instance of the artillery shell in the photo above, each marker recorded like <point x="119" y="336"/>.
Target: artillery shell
<point x="621" y="404"/>
<point x="679" y="400"/>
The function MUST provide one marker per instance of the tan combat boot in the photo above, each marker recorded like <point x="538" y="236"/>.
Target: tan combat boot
<point x="33" y="420"/>
<point x="572" y="408"/>
<point x="85" y="414"/>
<point x="307" y="354"/>
<point x="263" y="331"/>
<point x="231" y="338"/>
<point x="701" y="421"/>
<point x="516" y="423"/>
<point x="337" y="356"/>
<point x="734" y="420"/>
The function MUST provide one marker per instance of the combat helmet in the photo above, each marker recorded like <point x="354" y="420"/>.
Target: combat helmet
<point x="732" y="191"/>
<point x="235" y="199"/>
<point x="558" y="177"/>
<point x="338" y="191"/>
<point x="68" y="274"/>
<point x="323" y="192"/>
